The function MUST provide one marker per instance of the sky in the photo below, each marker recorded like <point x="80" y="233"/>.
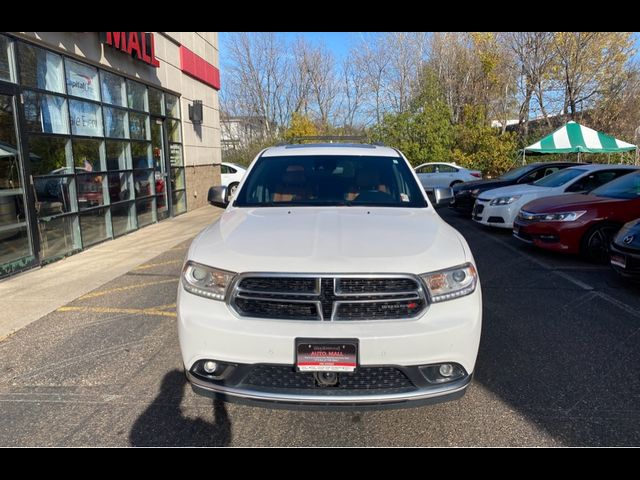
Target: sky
<point x="339" y="42"/>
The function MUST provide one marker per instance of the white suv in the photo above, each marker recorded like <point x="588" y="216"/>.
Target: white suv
<point x="329" y="281"/>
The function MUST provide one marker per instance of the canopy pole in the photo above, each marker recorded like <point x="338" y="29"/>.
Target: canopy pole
<point x="523" y="160"/>
<point x="578" y="156"/>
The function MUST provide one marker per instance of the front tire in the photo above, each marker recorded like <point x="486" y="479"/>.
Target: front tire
<point x="595" y="243"/>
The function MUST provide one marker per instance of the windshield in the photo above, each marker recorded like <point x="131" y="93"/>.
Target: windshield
<point x="627" y="187"/>
<point x="516" y="172"/>
<point x="560" y="177"/>
<point x="321" y="180"/>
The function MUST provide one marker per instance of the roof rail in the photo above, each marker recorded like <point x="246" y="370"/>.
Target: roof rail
<point x="329" y="139"/>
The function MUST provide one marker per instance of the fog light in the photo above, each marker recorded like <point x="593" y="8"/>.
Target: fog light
<point x="210" y="366"/>
<point x="446" y="370"/>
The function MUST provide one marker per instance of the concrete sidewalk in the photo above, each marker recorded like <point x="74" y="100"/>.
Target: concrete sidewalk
<point x="28" y="296"/>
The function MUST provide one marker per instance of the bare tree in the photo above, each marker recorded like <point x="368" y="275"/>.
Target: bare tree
<point x="535" y="55"/>
<point x="590" y="62"/>
<point x="257" y="76"/>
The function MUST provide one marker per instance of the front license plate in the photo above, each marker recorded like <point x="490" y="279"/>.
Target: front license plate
<point x="326" y="355"/>
<point x="619" y="260"/>
<point x="516" y="229"/>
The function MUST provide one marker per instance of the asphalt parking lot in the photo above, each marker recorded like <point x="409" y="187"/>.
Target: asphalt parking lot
<point x="557" y="367"/>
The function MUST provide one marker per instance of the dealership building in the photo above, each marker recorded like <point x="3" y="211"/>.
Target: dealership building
<point x="101" y="134"/>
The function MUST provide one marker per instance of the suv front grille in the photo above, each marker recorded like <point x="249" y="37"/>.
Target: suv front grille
<point x="328" y="297"/>
<point x="364" y="378"/>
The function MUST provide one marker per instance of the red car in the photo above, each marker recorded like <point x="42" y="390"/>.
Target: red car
<point x="581" y="223"/>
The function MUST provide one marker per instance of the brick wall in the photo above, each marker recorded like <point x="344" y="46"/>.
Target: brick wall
<point x="199" y="178"/>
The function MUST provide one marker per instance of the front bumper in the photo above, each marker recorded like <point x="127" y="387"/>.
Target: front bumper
<point x="500" y="216"/>
<point x="322" y="397"/>
<point x="463" y="202"/>
<point x="548" y="236"/>
<point x="632" y="261"/>
<point x="448" y="332"/>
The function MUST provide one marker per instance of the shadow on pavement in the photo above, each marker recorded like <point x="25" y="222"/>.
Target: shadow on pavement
<point x="163" y="424"/>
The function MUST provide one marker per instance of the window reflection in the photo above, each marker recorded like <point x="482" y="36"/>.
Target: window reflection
<point x="45" y="113"/>
<point x="90" y="191"/>
<point x="40" y="68"/>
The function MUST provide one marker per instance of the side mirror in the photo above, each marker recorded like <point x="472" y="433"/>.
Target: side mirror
<point x="443" y="195"/>
<point x="217" y="195"/>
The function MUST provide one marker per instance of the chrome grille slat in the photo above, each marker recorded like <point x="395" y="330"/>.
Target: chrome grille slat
<point x="335" y="297"/>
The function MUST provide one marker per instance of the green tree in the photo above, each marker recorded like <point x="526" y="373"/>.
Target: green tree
<point x="424" y="133"/>
<point x="482" y="147"/>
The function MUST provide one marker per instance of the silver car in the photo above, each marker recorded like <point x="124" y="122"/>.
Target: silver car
<point x="434" y="175"/>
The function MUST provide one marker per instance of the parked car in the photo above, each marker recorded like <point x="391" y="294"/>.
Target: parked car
<point x="330" y="280"/>
<point x="465" y="194"/>
<point x="625" y="250"/>
<point x="581" y="223"/>
<point x="499" y="207"/>
<point x="230" y="176"/>
<point x="433" y="175"/>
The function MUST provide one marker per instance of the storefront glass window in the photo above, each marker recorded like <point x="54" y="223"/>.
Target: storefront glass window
<point x="156" y="102"/>
<point x="58" y="236"/>
<point x="55" y="195"/>
<point x="141" y="155"/>
<point x="113" y="89"/>
<point x="49" y="155"/>
<point x="173" y="131"/>
<point x="116" y="123"/>
<point x="123" y="218"/>
<point x="120" y="187"/>
<point x="178" y="178"/>
<point x="40" y="68"/>
<point x="82" y="80"/>
<point x="137" y="95"/>
<point x="96" y="154"/>
<point x="144" y="183"/>
<point x="86" y="118"/>
<point x="118" y="155"/>
<point x="45" y="113"/>
<point x="87" y="155"/>
<point x="145" y="209"/>
<point x="172" y="105"/>
<point x="93" y="226"/>
<point x="6" y="63"/>
<point x="90" y="190"/>
<point x="179" y="203"/>
<point x="139" y="126"/>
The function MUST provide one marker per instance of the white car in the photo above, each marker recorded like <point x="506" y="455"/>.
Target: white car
<point x="330" y="280"/>
<point x="500" y="206"/>
<point x="230" y="176"/>
<point x="433" y="175"/>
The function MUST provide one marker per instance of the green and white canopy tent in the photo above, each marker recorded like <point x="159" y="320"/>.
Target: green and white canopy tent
<point x="576" y="138"/>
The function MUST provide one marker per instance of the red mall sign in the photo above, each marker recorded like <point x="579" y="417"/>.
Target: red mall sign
<point x="140" y="45"/>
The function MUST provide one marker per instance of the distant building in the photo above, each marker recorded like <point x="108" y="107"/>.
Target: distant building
<point x="238" y="132"/>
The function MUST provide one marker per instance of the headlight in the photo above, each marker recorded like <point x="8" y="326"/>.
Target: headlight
<point x="451" y="283"/>
<point x="504" y="200"/>
<point x="206" y="281"/>
<point x="559" y="217"/>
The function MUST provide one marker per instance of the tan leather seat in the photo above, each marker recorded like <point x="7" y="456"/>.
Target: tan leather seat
<point x="293" y="185"/>
<point x="366" y="181"/>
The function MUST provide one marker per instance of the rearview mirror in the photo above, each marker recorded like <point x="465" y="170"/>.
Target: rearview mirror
<point x="443" y="195"/>
<point x="217" y="195"/>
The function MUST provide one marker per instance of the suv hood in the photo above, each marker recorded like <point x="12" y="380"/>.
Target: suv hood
<point x="566" y="203"/>
<point x="516" y="190"/>
<point x="482" y="184"/>
<point x="329" y="240"/>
